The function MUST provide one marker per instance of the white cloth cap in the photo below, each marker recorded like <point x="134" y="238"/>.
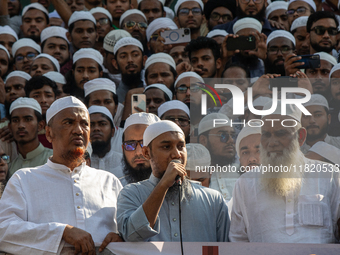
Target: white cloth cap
<point x="54" y="14"/>
<point x="56" y="77"/>
<point x="188" y="74"/>
<point x="63" y="103"/>
<point x="327" y="151"/>
<point x="171" y="105"/>
<point x="197" y="155"/>
<point x="112" y="37"/>
<point x="99" y="84"/>
<point x="317" y="99"/>
<point x="4" y="49"/>
<point x="141" y="118"/>
<point x="161" y="87"/>
<point x="101" y="10"/>
<point x="25" y="42"/>
<point x="299" y="22"/>
<point x="169" y="13"/>
<point x="125" y="42"/>
<point x="335" y="68"/>
<point x="20" y="74"/>
<point x="274" y="6"/>
<point x="160" y="58"/>
<point x="207" y="123"/>
<point x="9" y="31"/>
<point x="310" y="2"/>
<point x="328" y="57"/>
<point x="34" y="6"/>
<point x="246" y="131"/>
<point x="179" y="2"/>
<point x="247" y="23"/>
<point x="52" y="59"/>
<point x="158" y="128"/>
<point x="88" y="53"/>
<point x="291" y="110"/>
<point x="101" y="109"/>
<point x="217" y="32"/>
<point x="25" y="102"/>
<point x="81" y="15"/>
<point x="280" y="33"/>
<point x="130" y="12"/>
<point x="53" y="32"/>
<point x="157" y="24"/>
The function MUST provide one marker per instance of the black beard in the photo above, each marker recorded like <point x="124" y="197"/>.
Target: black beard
<point x="259" y="16"/>
<point x="318" y="48"/>
<point x="272" y="68"/>
<point x="133" y="175"/>
<point x="311" y="138"/>
<point x="220" y="160"/>
<point x="131" y="80"/>
<point x="35" y="38"/>
<point x="173" y="192"/>
<point x="99" y="147"/>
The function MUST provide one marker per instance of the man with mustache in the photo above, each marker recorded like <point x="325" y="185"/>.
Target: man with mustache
<point x="24" y="52"/>
<point x="300" y="8"/>
<point x="156" y="95"/>
<point x="152" y="9"/>
<point x="104" y="24"/>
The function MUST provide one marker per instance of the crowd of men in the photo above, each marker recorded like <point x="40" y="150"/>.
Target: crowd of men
<point x="104" y="138"/>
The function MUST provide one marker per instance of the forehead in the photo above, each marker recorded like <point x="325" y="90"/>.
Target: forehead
<point x="25" y="50"/>
<point x="7" y="38"/>
<point x="177" y="49"/>
<point x="86" y="62"/>
<point x="235" y="72"/>
<point x="15" y="80"/>
<point x="101" y="94"/>
<point x="56" y="40"/>
<point x="328" y="22"/>
<point x="99" y="15"/>
<point x="301" y="31"/>
<point x="221" y="10"/>
<point x="246" y="31"/>
<point x="72" y="113"/>
<point x="175" y="113"/>
<point x="221" y="129"/>
<point x="280" y="41"/>
<point x="21" y="112"/>
<point x="134" y="17"/>
<point x="325" y="65"/>
<point x="135" y="132"/>
<point x="251" y="141"/>
<point x="34" y="13"/>
<point x="202" y="52"/>
<point x="84" y="24"/>
<point x="45" y="88"/>
<point x="96" y="117"/>
<point x="170" y="136"/>
<point x="316" y="108"/>
<point x="128" y="49"/>
<point x="297" y="4"/>
<point x="154" y="93"/>
<point x="42" y="61"/>
<point x="269" y="127"/>
<point x="158" y="67"/>
<point x="189" y="4"/>
<point x="277" y="13"/>
<point x="150" y="4"/>
<point x="187" y="81"/>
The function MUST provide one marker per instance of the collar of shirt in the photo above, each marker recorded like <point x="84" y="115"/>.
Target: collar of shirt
<point x="64" y="168"/>
<point x="153" y="179"/>
<point x="34" y="153"/>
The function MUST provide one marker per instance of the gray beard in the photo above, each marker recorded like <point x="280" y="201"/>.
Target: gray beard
<point x="173" y="192"/>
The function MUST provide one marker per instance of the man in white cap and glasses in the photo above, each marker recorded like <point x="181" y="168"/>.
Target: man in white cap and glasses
<point x="152" y="211"/>
<point x="302" y="40"/>
<point x="8" y="38"/>
<point x="152" y="9"/>
<point x="276" y="11"/>
<point x="83" y="199"/>
<point x="104" y="24"/>
<point x="300" y="8"/>
<point x="283" y="205"/>
<point x="24" y="52"/>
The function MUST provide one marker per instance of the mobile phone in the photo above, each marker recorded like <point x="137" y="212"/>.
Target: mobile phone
<point x="241" y="43"/>
<point x="181" y="35"/>
<point x="138" y="100"/>
<point x="283" y="82"/>
<point x="311" y="61"/>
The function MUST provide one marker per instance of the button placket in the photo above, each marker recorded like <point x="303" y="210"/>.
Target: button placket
<point x="290" y="213"/>
<point x="78" y="199"/>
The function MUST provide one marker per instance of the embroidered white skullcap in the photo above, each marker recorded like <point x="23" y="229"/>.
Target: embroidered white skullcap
<point x="280" y="33"/>
<point x="34" y="6"/>
<point x="259" y="101"/>
<point x="291" y="110"/>
<point x="299" y="22"/>
<point x="188" y="74"/>
<point x="274" y="6"/>
<point x="112" y="37"/>
<point x="179" y="2"/>
<point x="130" y="12"/>
<point x="169" y="13"/>
<point x="88" y="53"/>
<point x="246" y="131"/>
<point x="5" y="50"/>
<point x="327" y="151"/>
<point x="161" y="1"/>
<point x="125" y="42"/>
<point x="327" y="57"/>
<point x="158" y="128"/>
<point x="54" y="14"/>
<point x="56" y="77"/>
<point x="207" y="123"/>
<point x="161" y="87"/>
<point x="25" y="42"/>
<point x="310" y="2"/>
<point x="9" y="31"/>
<point x="101" y="10"/>
<point x="53" y="32"/>
<point x="99" y="84"/>
<point x="247" y="23"/>
<point x="52" y="59"/>
<point x="217" y="32"/>
<point x="335" y="68"/>
<point x="63" y="103"/>
<point x="25" y="102"/>
<point x="160" y="58"/>
<point x="197" y="155"/>
<point x="20" y="74"/>
<point x="173" y="105"/>
<point x="157" y="24"/>
<point x="101" y="109"/>
<point x="317" y="99"/>
<point x="141" y="118"/>
<point x="81" y="15"/>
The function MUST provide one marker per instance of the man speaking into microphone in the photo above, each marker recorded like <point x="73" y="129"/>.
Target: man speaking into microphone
<point x="149" y="210"/>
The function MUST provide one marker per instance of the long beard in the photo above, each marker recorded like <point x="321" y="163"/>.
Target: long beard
<point x="259" y="16"/>
<point x="100" y="146"/>
<point x="133" y="175"/>
<point x="173" y="192"/>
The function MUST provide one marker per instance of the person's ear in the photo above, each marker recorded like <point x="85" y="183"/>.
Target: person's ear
<point x="114" y="63"/>
<point x="41" y="125"/>
<point x="302" y="136"/>
<point x="146" y="152"/>
<point x="329" y="119"/>
<point x="69" y="37"/>
<point x="49" y="134"/>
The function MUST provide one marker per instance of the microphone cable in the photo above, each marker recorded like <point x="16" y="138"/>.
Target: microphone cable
<point x="180" y="217"/>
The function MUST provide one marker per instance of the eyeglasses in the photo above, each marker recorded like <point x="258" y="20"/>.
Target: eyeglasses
<point x="183" y="89"/>
<point x="320" y="30"/>
<point x="132" y="145"/>
<point x="224" y="136"/>
<point x="300" y="10"/>
<point x="183" y="122"/>
<point x="29" y="56"/>
<point x="275" y="50"/>
<point x="103" y="21"/>
<point x="216" y="16"/>
<point x="186" y="11"/>
<point x="255" y="1"/>
<point x="154" y="37"/>
<point x="5" y="158"/>
<point x="132" y="24"/>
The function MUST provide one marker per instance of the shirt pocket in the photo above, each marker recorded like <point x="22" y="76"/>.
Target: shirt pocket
<point x="312" y="210"/>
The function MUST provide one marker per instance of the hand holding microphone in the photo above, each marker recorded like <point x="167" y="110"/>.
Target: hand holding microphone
<point x="174" y="173"/>
<point x="178" y="178"/>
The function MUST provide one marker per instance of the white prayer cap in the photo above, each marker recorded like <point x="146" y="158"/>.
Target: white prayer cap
<point x="112" y="37"/>
<point x="260" y="101"/>
<point x="157" y="24"/>
<point x="326" y="151"/>
<point x="34" y="6"/>
<point x="207" y="123"/>
<point x="179" y="2"/>
<point x="161" y="87"/>
<point x="327" y="57"/>
<point x="20" y="74"/>
<point x="280" y="33"/>
<point x="88" y="53"/>
<point x="160" y="58"/>
<point x="52" y="59"/>
<point x="169" y="13"/>
<point x="217" y="32"/>
<point x="54" y="14"/>
<point x="56" y="77"/>
<point x="25" y="102"/>
<point x="172" y="105"/>
<point x="63" y="103"/>
<point x="101" y="109"/>
<point x="335" y="68"/>
<point x="99" y="84"/>
<point x="141" y="118"/>
<point x="5" y="50"/>
<point x="317" y="99"/>
<point x="197" y="155"/>
<point x="101" y="10"/>
<point x="246" y="131"/>
<point x="299" y="22"/>
<point x="81" y="15"/>
<point x="130" y="12"/>
<point x="188" y="74"/>
<point x="158" y="128"/>
<point x="9" y="31"/>
<point x="291" y="110"/>
<point x="274" y="6"/>
<point x="310" y="2"/>
<point x="247" y="23"/>
<point x="53" y="32"/>
<point x="125" y="42"/>
<point x="25" y="42"/>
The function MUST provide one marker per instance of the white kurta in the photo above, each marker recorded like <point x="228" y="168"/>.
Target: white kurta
<point x="111" y="162"/>
<point x="39" y="202"/>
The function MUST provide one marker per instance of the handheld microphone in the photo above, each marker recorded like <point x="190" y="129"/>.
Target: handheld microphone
<point x="178" y="180"/>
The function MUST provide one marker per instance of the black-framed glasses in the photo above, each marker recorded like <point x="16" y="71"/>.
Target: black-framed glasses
<point x="103" y="21"/>
<point x="154" y="37"/>
<point x="216" y="16"/>
<point x="275" y="50"/>
<point x="300" y="10"/>
<point x="255" y="1"/>
<point x="183" y="89"/>
<point x="224" y="136"/>
<point x="132" y="145"/>
<point x="186" y="11"/>
<point x="183" y="122"/>
<point x="132" y="24"/>
<point x="29" y="56"/>
<point x="320" y="30"/>
<point x="5" y="158"/>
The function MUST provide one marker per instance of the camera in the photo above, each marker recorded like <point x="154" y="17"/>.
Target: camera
<point x="182" y="35"/>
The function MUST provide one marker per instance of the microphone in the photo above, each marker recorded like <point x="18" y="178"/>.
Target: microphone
<point x="178" y="180"/>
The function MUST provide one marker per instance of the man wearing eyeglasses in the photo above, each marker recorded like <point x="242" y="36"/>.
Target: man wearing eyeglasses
<point x="219" y="12"/>
<point x="104" y="24"/>
<point x="299" y="8"/>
